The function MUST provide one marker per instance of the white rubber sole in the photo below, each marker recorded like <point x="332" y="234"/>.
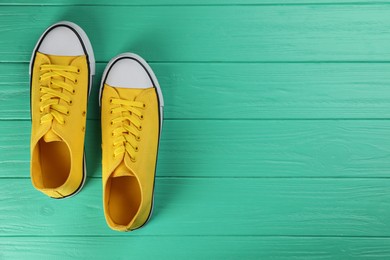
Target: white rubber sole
<point x="91" y="60"/>
<point x="159" y="93"/>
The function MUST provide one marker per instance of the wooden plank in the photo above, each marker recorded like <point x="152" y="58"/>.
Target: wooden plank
<point x="180" y="247"/>
<point x="211" y="33"/>
<point x="244" y="91"/>
<point x="238" y="148"/>
<point x="212" y="206"/>
<point x="187" y="2"/>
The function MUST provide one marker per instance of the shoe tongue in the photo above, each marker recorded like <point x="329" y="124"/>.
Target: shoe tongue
<point x="50" y="136"/>
<point x="60" y="60"/>
<point x="125" y="93"/>
<point x="122" y="170"/>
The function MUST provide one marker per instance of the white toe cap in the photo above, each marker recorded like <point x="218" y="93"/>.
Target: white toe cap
<point x="128" y="73"/>
<point x="61" y="41"/>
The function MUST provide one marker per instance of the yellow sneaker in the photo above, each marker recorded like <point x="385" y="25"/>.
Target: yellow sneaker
<point x="131" y="117"/>
<point x="61" y="70"/>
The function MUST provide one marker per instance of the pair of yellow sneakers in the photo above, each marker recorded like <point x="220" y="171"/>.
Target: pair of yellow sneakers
<point x="61" y="70"/>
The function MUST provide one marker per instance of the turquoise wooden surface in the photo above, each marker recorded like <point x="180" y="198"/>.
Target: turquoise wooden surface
<point x="242" y="91"/>
<point x="276" y="140"/>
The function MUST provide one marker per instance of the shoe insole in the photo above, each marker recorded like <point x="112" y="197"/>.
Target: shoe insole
<point x="124" y="200"/>
<point x="55" y="163"/>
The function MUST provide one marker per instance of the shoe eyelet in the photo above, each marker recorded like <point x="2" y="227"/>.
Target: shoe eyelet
<point x="140" y="128"/>
<point x="111" y="123"/>
<point x="78" y="70"/>
<point x="83" y="113"/>
<point x="67" y="112"/>
<point x="144" y="106"/>
<point x="111" y="112"/>
<point x="110" y="100"/>
<point x="142" y="117"/>
<point x="136" y="149"/>
<point x="73" y="91"/>
<point x="76" y="81"/>
<point x="138" y="138"/>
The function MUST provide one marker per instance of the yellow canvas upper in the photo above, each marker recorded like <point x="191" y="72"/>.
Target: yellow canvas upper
<point x="58" y="123"/>
<point x="130" y="136"/>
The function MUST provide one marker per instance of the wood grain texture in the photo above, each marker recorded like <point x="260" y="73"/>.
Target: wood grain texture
<point x="204" y="148"/>
<point x="241" y="91"/>
<point x="186" y="2"/>
<point x="212" y="206"/>
<point x="174" y="247"/>
<point x="211" y="33"/>
<point x="276" y="140"/>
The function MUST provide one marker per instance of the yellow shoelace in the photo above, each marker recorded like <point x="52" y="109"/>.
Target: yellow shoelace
<point x="128" y="126"/>
<point x="52" y="90"/>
